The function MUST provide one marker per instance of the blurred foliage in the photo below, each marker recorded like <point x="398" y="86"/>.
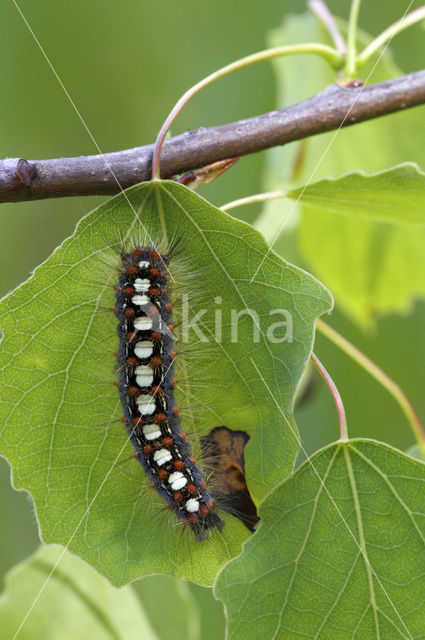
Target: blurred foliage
<point x="396" y="341"/>
<point x="193" y="613"/>
<point x="18" y="533"/>
<point x="183" y="619"/>
<point x="367" y="263"/>
<point x="124" y="65"/>
<point x="73" y="601"/>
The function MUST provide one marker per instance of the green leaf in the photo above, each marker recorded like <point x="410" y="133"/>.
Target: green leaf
<point x="73" y="602"/>
<point x="377" y="250"/>
<point x="396" y="195"/>
<point x="369" y="266"/>
<point x="59" y="409"/>
<point x="339" y="553"/>
<point x="378" y="276"/>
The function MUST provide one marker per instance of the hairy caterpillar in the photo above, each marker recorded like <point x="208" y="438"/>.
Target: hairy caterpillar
<point x="146" y="385"/>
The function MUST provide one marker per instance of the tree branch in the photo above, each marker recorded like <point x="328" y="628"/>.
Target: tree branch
<point x="108" y="173"/>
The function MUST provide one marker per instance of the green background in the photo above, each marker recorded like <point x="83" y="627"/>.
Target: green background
<point x="124" y="65"/>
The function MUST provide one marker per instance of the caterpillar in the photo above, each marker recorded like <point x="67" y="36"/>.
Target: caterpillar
<point x="146" y="382"/>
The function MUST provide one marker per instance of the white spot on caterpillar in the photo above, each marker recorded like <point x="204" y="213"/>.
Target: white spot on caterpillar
<point x="177" y="480"/>
<point x="162" y="456"/>
<point x="192" y="505"/>
<point x="143" y="323"/>
<point x="142" y="285"/>
<point x="144" y="375"/>
<point x="146" y="405"/>
<point x="140" y="300"/>
<point x="144" y="264"/>
<point x="151" y="431"/>
<point x="144" y="348"/>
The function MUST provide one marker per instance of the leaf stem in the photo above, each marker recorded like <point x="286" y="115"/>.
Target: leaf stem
<point x="381" y="377"/>
<point x="388" y="34"/>
<point x="258" y="197"/>
<point x="350" y="65"/>
<point x="330" y="54"/>
<point x="335" y="394"/>
<point x="322" y="13"/>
